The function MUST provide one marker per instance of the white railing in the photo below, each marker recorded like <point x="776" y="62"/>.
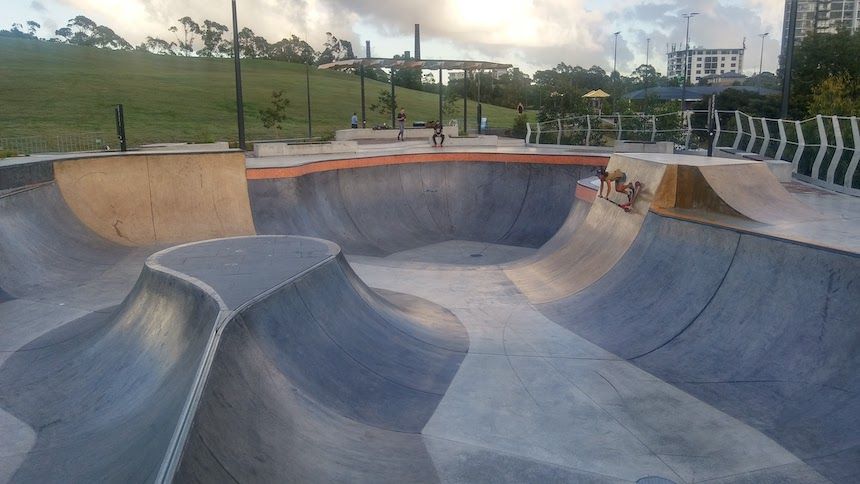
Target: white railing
<point x="822" y="150"/>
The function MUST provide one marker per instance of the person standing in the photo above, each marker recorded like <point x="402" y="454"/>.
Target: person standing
<point x="354" y="121"/>
<point x="401" y="120"/>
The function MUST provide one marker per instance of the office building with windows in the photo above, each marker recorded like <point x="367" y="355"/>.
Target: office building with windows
<point x="704" y="62"/>
<point x="820" y="16"/>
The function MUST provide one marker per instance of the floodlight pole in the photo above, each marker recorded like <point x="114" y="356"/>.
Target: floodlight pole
<point x="647" y="54"/>
<point x="614" y="70"/>
<point x="240" y="108"/>
<point x="761" y="57"/>
<point x="308" y="89"/>
<point x="393" y="99"/>
<point x="789" y="57"/>
<point x="687" y="16"/>
<point x="465" y="101"/>
<point x="440" y="95"/>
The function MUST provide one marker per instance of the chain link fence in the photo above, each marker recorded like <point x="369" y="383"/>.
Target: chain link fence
<point x="65" y="143"/>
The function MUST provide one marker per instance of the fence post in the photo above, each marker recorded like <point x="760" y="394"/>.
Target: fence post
<point x="528" y="133"/>
<point x="558" y="135"/>
<point x="801" y="146"/>
<point x="653" y="128"/>
<point x="766" y="133"/>
<point x="588" y="130"/>
<point x="782" y="140"/>
<point x="620" y="135"/>
<point x="718" y="128"/>
<point x="688" y="130"/>
<point x="740" y="132"/>
<point x="822" y="146"/>
<point x="753" y="134"/>
<point x="837" y="153"/>
<point x="852" y="166"/>
<point x="537" y="136"/>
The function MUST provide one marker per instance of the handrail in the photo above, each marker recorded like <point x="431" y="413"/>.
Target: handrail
<point x="823" y="150"/>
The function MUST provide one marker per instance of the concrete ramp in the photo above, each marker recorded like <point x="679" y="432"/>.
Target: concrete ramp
<point x="380" y="210"/>
<point x="747" y="190"/>
<point x="580" y="255"/>
<point x="142" y="199"/>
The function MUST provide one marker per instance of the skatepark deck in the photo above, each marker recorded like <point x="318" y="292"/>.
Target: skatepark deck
<point x="596" y="346"/>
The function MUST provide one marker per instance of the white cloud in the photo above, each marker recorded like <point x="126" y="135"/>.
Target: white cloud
<point x="533" y="34"/>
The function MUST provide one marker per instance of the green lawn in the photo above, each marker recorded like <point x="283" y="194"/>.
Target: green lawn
<point x="49" y="89"/>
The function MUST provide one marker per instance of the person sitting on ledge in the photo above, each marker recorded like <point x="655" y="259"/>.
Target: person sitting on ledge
<point x="437" y="133"/>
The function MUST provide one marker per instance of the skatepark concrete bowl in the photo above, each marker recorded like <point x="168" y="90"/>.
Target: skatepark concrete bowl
<point x="456" y="317"/>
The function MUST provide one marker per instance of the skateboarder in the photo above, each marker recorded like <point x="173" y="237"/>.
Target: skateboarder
<point x="437" y="133"/>
<point x="618" y="178"/>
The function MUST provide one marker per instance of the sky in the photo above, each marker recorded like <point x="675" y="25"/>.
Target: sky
<point x="530" y="34"/>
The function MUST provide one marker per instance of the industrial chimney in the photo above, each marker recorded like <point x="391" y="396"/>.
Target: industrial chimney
<point x="417" y="41"/>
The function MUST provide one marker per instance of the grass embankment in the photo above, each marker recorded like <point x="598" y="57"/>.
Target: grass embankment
<point x="49" y="89"/>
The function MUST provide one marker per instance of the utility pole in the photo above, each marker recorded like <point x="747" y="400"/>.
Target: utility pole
<point x="240" y="108"/>
<point x="687" y="16"/>
<point x="614" y="65"/>
<point x="761" y="57"/>
<point x="308" y="89"/>
<point x="647" y="57"/>
<point x="789" y="57"/>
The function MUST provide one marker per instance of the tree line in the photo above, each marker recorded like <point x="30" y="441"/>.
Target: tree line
<point x="190" y="38"/>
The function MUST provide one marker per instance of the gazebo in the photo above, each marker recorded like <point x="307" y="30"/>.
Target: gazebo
<point x="393" y="64"/>
<point x="596" y="97"/>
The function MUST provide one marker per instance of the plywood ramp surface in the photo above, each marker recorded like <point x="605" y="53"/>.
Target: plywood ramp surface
<point x="158" y="198"/>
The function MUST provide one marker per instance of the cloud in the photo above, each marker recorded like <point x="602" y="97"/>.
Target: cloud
<point x="534" y="34"/>
<point x="37" y="7"/>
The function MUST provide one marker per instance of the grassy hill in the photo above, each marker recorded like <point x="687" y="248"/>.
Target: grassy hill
<point x="49" y="89"/>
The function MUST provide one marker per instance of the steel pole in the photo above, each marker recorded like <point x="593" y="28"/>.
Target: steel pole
<point x="761" y="58"/>
<point x="686" y="57"/>
<point x="393" y="99"/>
<point x="363" y="110"/>
<point x="240" y="107"/>
<point x="465" y="100"/>
<point x="789" y="57"/>
<point x="440" y="95"/>
<point x="308" y="89"/>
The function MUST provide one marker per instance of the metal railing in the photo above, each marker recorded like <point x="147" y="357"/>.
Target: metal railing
<point x="822" y="150"/>
<point x="65" y="143"/>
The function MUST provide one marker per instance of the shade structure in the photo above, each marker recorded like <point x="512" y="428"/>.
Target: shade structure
<point x="596" y="94"/>
<point x="467" y="65"/>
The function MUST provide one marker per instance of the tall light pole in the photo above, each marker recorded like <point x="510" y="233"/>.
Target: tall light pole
<point x="687" y="16"/>
<point x="761" y="57"/>
<point x="614" y="65"/>
<point x="647" y="53"/>
<point x="240" y="108"/>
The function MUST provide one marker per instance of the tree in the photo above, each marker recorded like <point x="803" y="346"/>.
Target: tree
<point x="212" y="35"/>
<point x="836" y="95"/>
<point x="819" y="57"/>
<point x="252" y="45"/>
<point x="32" y="27"/>
<point x="645" y="75"/>
<point x="335" y="49"/>
<point x="451" y="105"/>
<point x="293" y="49"/>
<point x="274" y="115"/>
<point x="84" y="32"/>
<point x="17" y="32"/>
<point x="190" y="29"/>
<point x="159" y="46"/>
<point x="384" y="104"/>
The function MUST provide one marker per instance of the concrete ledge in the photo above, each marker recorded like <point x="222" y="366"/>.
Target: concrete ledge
<point x="484" y="140"/>
<point x="410" y="133"/>
<point x="666" y="147"/>
<point x="782" y="170"/>
<point x="262" y="150"/>
<point x="218" y="145"/>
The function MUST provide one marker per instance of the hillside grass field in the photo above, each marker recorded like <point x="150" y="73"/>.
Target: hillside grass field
<point x="49" y="89"/>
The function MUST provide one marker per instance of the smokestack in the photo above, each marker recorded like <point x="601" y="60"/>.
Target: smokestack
<point x="417" y="41"/>
<point x="367" y="49"/>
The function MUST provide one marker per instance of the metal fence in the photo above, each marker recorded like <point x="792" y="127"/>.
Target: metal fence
<point x="822" y="150"/>
<point x="28" y="145"/>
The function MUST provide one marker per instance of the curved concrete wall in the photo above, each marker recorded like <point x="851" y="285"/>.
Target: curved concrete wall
<point x="142" y="199"/>
<point x="379" y="210"/>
